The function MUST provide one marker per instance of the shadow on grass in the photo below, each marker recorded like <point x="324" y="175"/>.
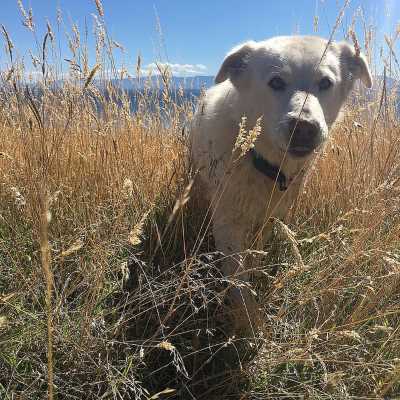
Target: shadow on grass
<point x="176" y="316"/>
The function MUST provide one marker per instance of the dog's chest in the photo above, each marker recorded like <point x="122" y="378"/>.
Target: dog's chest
<point x="253" y="197"/>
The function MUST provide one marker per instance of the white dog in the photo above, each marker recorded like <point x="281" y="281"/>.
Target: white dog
<point x="297" y="84"/>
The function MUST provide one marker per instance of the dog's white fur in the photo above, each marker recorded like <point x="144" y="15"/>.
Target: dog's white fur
<point x="243" y="198"/>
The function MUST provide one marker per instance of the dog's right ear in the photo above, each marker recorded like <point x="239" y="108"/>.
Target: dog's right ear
<point x="356" y="64"/>
<point x="235" y="63"/>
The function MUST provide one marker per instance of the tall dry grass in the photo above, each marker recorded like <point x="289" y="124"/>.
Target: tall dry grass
<point x="101" y="293"/>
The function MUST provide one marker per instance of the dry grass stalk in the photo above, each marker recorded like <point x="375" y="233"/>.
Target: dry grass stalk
<point x="91" y="76"/>
<point x="355" y="42"/>
<point x="76" y="246"/>
<point x="48" y="275"/>
<point x="289" y="235"/>
<point x="99" y="7"/>
<point x="246" y="138"/>
<point x="27" y="15"/>
<point x="135" y="235"/>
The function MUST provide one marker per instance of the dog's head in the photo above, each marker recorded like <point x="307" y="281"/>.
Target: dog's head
<point x="298" y="83"/>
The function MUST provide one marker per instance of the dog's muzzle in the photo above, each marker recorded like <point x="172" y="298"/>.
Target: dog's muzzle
<point x="304" y="137"/>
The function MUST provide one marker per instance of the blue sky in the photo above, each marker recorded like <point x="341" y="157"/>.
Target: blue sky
<point x="196" y="34"/>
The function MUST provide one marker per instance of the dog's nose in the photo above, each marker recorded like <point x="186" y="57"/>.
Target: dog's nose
<point x="304" y="137"/>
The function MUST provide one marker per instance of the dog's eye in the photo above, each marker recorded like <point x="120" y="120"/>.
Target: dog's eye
<point x="325" y="84"/>
<point x="277" y="84"/>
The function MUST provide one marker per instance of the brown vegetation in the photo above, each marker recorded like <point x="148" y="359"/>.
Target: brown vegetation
<point x="104" y="289"/>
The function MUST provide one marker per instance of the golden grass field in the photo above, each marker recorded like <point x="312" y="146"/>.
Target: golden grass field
<point x="109" y="282"/>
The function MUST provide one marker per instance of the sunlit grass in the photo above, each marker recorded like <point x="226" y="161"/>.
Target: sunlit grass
<point x="100" y="258"/>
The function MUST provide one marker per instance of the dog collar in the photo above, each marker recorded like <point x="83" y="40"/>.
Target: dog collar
<point x="272" y="171"/>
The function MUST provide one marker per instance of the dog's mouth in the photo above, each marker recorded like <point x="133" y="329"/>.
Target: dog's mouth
<point x="300" y="151"/>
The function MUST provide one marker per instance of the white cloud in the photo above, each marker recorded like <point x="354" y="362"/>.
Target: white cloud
<point x="176" y="69"/>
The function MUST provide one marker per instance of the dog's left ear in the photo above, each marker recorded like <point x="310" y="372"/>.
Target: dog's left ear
<point x="235" y="64"/>
<point x="356" y="64"/>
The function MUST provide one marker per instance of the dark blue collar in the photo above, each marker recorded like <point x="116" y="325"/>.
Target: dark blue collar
<point x="272" y="171"/>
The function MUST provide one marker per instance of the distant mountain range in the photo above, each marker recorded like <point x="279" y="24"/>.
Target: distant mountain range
<point x="188" y="83"/>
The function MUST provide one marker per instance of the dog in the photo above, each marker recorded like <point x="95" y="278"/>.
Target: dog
<point x="297" y="85"/>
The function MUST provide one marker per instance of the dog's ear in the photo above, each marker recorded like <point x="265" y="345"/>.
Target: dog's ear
<point x="235" y="63"/>
<point x="356" y="64"/>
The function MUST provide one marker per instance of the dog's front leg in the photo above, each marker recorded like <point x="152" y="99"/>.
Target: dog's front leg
<point x="231" y="239"/>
